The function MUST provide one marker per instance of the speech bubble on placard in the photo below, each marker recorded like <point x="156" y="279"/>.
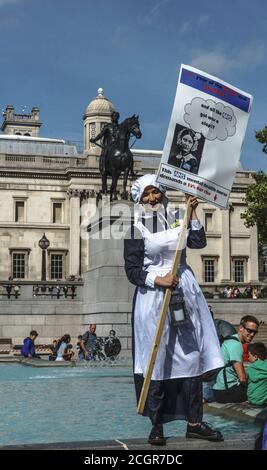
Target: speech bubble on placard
<point x="213" y="120"/>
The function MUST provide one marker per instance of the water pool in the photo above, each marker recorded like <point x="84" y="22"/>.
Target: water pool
<point x="78" y="404"/>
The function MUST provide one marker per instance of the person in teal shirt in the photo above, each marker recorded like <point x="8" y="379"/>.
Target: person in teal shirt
<point x="257" y="374"/>
<point x="231" y="381"/>
<point x="228" y="388"/>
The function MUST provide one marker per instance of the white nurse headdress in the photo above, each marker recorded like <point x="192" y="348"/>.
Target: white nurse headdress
<point x="140" y="184"/>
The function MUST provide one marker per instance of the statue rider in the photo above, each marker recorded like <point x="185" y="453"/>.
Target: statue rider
<point x="109" y="134"/>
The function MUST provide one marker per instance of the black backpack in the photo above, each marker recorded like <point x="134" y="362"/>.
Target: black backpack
<point x="225" y="331"/>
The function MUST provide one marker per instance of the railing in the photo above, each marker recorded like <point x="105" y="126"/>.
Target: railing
<point x="37" y="161"/>
<point x="66" y="290"/>
<point x="217" y="291"/>
<point x="78" y="144"/>
<point x="30" y="290"/>
<point x="21" y="117"/>
<point x="10" y="290"/>
<point x="20" y="158"/>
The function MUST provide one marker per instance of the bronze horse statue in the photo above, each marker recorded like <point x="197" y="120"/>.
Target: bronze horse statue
<point x="119" y="157"/>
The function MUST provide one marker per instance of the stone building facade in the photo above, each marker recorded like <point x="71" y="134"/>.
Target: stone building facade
<point x="46" y="186"/>
<point x="21" y="124"/>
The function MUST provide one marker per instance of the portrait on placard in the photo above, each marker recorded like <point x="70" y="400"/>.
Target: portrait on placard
<point x="186" y="149"/>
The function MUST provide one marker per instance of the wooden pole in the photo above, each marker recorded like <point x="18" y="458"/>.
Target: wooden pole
<point x="165" y="305"/>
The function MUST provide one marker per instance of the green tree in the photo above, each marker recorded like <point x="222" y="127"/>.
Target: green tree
<point x="261" y="136"/>
<point x="256" y="199"/>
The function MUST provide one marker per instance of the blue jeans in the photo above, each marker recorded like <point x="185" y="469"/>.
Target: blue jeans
<point x="207" y="391"/>
<point x="90" y="356"/>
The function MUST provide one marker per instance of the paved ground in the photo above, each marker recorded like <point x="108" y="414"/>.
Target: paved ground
<point x="238" y="411"/>
<point x="236" y="442"/>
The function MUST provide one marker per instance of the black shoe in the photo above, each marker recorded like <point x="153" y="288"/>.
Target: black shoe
<point x="203" y="431"/>
<point x="156" y="436"/>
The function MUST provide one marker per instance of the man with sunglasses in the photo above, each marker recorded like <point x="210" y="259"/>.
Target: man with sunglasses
<point x="231" y="381"/>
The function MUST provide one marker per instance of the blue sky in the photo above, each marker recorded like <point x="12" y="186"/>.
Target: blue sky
<point x="55" y="54"/>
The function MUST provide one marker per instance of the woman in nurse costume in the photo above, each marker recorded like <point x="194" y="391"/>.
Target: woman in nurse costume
<point x="187" y="349"/>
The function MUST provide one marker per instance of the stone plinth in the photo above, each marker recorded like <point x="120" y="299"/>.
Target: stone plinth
<point x="107" y="292"/>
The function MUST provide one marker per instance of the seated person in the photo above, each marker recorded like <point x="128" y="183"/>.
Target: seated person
<point x="245" y="352"/>
<point x="231" y="381"/>
<point x="79" y="348"/>
<point x="63" y="352"/>
<point x="28" y="348"/>
<point x="53" y="349"/>
<point x="257" y="374"/>
<point x="112" y="345"/>
<point x="224" y="330"/>
<point x="255" y="293"/>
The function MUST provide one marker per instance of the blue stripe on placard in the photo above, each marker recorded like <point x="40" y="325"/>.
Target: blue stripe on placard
<point x="214" y="88"/>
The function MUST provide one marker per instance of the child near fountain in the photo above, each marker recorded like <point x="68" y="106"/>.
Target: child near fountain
<point x="257" y="374"/>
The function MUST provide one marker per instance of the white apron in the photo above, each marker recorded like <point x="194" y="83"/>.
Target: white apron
<point x="185" y="351"/>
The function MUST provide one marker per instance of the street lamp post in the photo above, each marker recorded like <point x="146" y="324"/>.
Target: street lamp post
<point x="43" y="244"/>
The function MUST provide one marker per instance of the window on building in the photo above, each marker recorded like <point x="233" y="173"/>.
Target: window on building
<point x="19" y="211"/>
<point x="92" y="133"/>
<point x="239" y="270"/>
<point x="56" y="266"/>
<point x="264" y="266"/>
<point x="209" y="270"/>
<point x="57" y="212"/>
<point x="18" y="265"/>
<point x="208" y="221"/>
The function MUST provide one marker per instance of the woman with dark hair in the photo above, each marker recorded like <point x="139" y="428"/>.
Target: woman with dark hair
<point x="187" y="142"/>
<point x="186" y="350"/>
<point x="63" y="353"/>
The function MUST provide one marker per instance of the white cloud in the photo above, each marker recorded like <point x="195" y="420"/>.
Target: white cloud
<point x="185" y="27"/>
<point x="218" y="60"/>
<point x="214" y="61"/>
<point x="252" y="54"/>
<point x="152" y="13"/>
<point x="193" y="24"/>
<point x="158" y="5"/>
<point x="203" y="18"/>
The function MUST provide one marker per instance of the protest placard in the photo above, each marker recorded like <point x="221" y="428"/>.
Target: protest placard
<point x="205" y="136"/>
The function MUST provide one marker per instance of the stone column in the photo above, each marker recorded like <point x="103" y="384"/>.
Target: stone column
<point x="225" y="247"/>
<point x="253" y="268"/>
<point x="74" y="258"/>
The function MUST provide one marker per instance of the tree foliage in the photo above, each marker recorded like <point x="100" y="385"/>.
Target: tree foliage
<point x="261" y="136"/>
<point x="256" y="199"/>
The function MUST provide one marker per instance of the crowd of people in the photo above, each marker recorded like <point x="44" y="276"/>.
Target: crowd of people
<point x="88" y="347"/>
<point x="233" y="292"/>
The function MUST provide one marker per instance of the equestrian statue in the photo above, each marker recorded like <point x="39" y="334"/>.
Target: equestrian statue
<point x="116" y="156"/>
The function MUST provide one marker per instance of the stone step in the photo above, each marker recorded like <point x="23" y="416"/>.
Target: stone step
<point x="245" y="441"/>
<point x="5" y="341"/>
